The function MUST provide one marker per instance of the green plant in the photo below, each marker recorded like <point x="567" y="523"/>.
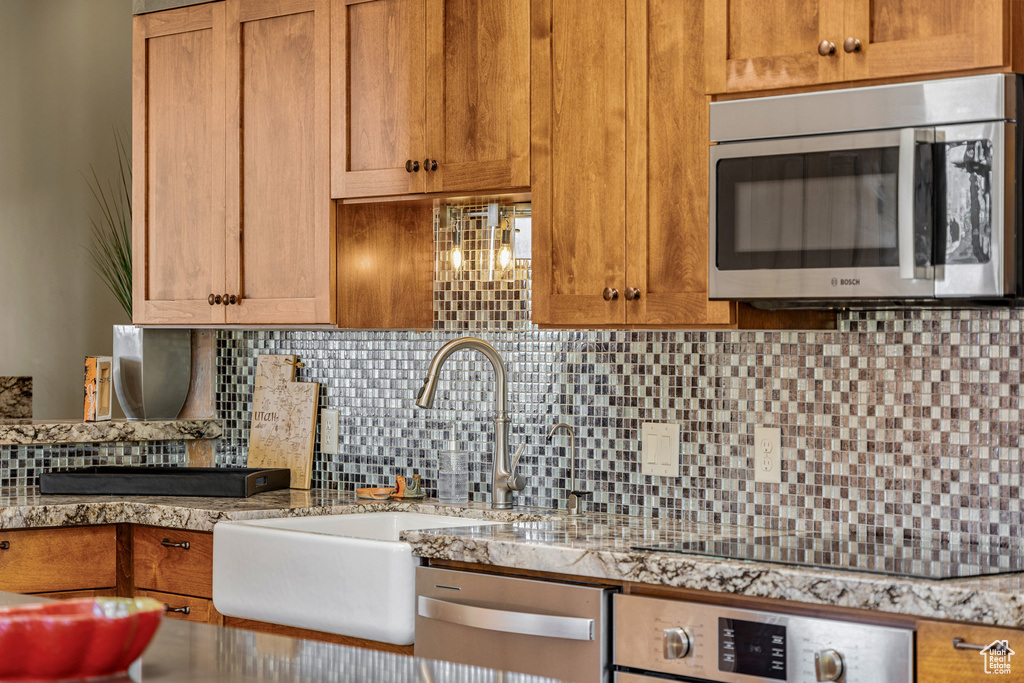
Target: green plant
<point x="111" y="248"/>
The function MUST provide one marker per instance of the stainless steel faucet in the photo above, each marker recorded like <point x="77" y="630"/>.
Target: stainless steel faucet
<point x="504" y="480"/>
<point x="574" y="497"/>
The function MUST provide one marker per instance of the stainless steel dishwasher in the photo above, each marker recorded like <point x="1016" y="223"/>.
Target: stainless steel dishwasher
<point x="544" y="628"/>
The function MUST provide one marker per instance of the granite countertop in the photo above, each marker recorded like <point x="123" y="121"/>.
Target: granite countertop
<point x="184" y="651"/>
<point x="26" y="432"/>
<point x="597" y="546"/>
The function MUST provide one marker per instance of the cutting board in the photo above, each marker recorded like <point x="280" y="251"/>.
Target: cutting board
<point x="283" y="427"/>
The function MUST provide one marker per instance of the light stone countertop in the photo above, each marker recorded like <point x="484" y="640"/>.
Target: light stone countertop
<point x="186" y="652"/>
<point x="598" y="546"/>
<point x="37" y="432"/>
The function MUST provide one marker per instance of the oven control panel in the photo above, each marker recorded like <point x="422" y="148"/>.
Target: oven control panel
<point x="716" y="643"/>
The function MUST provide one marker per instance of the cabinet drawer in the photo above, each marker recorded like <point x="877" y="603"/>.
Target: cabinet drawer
<point x="48" y="560"/>
<point x="938" y="661"/>
<point x="173" y="561"/>
<point x="186" y="607"/>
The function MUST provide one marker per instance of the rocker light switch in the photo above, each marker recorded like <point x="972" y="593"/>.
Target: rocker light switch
<point x="660" y="449"/>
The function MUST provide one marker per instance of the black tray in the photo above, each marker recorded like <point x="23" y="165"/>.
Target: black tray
<point x="226" y="482"/>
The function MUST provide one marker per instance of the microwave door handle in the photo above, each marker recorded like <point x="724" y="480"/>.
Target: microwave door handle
<point x="909" y="137"/>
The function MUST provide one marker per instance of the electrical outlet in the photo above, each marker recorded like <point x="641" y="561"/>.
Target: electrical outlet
<point x="659" y="449"/>
<point x="328" y="431"/>
<point x="768" y="455"/>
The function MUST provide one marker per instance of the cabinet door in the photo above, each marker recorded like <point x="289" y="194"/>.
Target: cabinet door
<point x="57" y="560"/>
<point x="478" y="94"/>
<point x="667" y="162"/>
<point x="939" y="662"/>
<point x="578" y="133"/>
<point x="178" y="163"/>
<point x="378" y="97"/>
<point x="758" y="45"/>
<point x="279" y="238"/>
<point x="909" y="37"/>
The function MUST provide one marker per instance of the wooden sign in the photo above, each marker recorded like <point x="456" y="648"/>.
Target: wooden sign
<point x="282" y="432"/>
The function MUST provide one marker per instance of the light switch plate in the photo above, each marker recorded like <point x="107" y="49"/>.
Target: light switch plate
<point x="768" y="455"/>
<point x="329" y="431"/>
<point x="659" y="449"/>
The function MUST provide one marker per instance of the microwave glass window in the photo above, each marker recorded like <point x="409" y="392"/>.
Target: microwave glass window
<point x="814" y="210"/>
<point x="968" y="221"/>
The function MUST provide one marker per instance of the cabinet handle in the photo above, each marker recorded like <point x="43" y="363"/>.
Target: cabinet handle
<point x="961" y="644"/>
<point x="632" y="293"/>
<point x="852" y="44"/>
<point x="826" y="48"/>
<point x="610" y="294"/>
<point x="412" y="166"/>
<point x="5" y="545"/>
<point x="430" y="164"/>
<point x="186" y="610"/>
<point x="167" y="543"/>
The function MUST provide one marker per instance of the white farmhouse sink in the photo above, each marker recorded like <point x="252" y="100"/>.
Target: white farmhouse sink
<point x="347" y="574"/>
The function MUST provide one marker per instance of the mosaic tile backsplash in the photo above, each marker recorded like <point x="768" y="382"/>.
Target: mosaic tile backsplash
<point x="897" y="421"/>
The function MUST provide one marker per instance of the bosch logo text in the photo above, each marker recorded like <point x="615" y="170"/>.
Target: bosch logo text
<point x="845" y="282"/>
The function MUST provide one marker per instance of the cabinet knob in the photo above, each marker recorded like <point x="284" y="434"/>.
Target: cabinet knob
<point x="826" y="48"/>
<point x="430" y="164"/>
<point x="224" y="300"/>
<point x="610" y="294"/>
<point x="632" y="293"/>
<point x="212" y="299"/>
<point x="5" y="545"/>
<point x="412" y="166"/>
<point x="852" y="44"/>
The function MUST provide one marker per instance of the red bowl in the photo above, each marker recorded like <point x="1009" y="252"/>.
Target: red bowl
<point x="75" y="638"/>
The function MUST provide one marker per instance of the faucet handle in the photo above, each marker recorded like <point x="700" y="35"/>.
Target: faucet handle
<point x="516" y="482"/>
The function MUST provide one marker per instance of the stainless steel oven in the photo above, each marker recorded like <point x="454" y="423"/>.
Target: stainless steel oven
<point x="881" y="195"/>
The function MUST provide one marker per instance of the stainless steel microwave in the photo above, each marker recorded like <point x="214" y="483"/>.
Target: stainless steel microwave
<point x="876" y="196"/>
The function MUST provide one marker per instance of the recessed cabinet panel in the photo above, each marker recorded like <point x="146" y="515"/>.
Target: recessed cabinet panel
<point x="279" y="209"/>
<point x="178" y="156"/>
<point x="478" y="96"/>
<point x="579" y="175"/>
<point x="378" y="118"/>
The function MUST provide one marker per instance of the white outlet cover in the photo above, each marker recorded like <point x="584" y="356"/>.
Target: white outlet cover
<point x="329" y="431"/>
<point x="768" y="455"/>
<point x="659" y="449"/>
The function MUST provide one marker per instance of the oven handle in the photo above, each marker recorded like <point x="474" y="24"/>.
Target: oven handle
<point x="525" y="623"/>
<point x="909" y="137"/>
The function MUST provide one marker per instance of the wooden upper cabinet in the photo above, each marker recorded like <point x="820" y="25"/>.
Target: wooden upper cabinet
<point x="757" y="45"/>
<point x="478" y="94"/>
<point x="578" y="115"/>
<point x="901" y="37"/>
<point x="178" y="160"/>
<point x="378" y="125"/>
<point x="620" y="164"/>
<point x="429" y="96"/>
<point x="754" y="45"/>
<point x="231" y="142"/>
<point x="279" y="240"/>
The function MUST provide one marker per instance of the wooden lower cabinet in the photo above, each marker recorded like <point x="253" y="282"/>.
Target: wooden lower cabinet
<point x="57" y="560"/>
<point x="173" y="561"/>
<point x="186" y="607"/>
<point x="975" y="657"/>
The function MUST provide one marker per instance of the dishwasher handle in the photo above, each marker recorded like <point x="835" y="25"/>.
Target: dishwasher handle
<point x="524" y="623"/>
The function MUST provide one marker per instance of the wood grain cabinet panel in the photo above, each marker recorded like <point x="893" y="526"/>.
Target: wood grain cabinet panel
<point x="280" y="223"/>
<point x="620" y="165"/>
<point x="161" y="562"/>
<point x="429" y="96"/>
<point x="178" y="91"/>
<point x="186" y="607"/>
<point x="57" y="560"/>
<point x="231" y="128"/>
<point x="939" y="662"/>
<point x="755" y="45"/>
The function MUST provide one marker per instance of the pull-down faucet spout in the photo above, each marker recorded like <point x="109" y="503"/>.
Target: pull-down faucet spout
<point x="504" y="481"/>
